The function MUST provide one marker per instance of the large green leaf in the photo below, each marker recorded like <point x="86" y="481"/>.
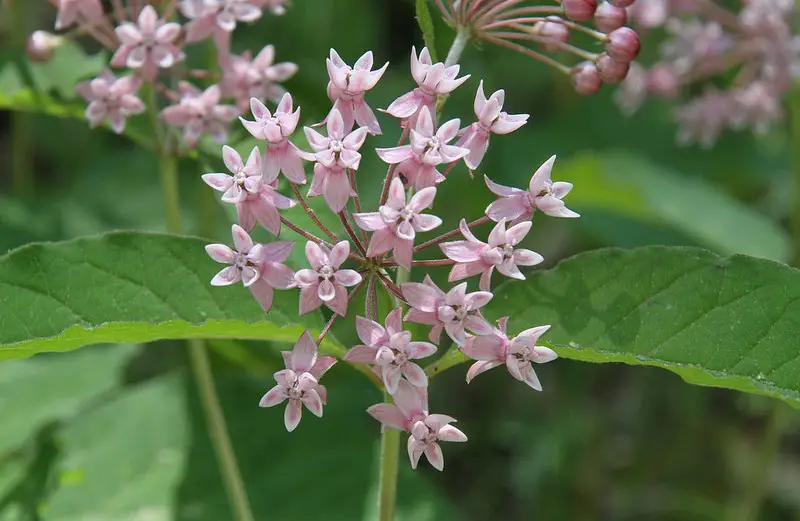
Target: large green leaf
<point x="628" y="185"/>
<point x="129" y="287"/>
<point x="729" y="322"/>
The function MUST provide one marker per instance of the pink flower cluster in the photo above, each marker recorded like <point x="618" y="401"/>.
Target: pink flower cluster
<point x="150" y="44"/>
<point x="379" y="242"/>
<point x="543" y="32"/>
<point x="707" y="44"/>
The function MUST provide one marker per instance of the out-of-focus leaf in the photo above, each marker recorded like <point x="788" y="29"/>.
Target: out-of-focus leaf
<point x="631" y="186"/>
<point x="728" y="322"/>
<point x="124" y="459"/>
<point x="130" y="287"/>
<point x="426" y="26"/>
<point x="69" y="65"/>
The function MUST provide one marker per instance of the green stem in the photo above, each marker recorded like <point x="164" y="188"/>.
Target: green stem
<point x="201" y="366"/>
<point x="749" y="504"/>
<point x="459" y="44"/>
<point x="387" y="480"/>
<point x="22" y="179"/>
<point x="232" y="477"/>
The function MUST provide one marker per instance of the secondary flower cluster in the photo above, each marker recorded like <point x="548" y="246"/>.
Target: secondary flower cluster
<point x="151" y="45"/>
<point x="384" y="240"/>
<point x="543" y="33"/>
<point x="707" y="45"/>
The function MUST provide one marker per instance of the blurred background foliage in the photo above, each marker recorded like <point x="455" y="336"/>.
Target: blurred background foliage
<point x="115" y="432"/>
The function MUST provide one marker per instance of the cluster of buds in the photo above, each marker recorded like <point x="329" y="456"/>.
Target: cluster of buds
<point x="149" y="44"/>
<point x="707" y="44"/>
<point x="543" y="32"/>
<point x="381" y="242"/>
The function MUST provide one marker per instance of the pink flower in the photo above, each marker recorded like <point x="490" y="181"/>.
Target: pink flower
<point x="148" y="44"/>
<point x="334" y="155"/>
<point x="518" y="205"/>
<point x="433" y="79"/>
<point x="259" y="266"/>
<point x="491" y="120"/>
<point x="255" y="199"/>
<point x="391" y="350"/>
<point x="474" y="256"/>
<point x="347" y="86"/>
<point x="325" y="283"/>
<point x="70" y="11"/>
<point x="410" y="413"/>
<point x="518" y="354"/>
<point x="340" y="148"/>
<point x="199" y="112"/>
<point x="299" y="382"/>
<point x="243" y="78"/>
<point x="111" y="98"/>
<point x="395" y="224"/>
<point x="417" y="161"/>
<point x="453" y="311"/>
<point x="280" y="155"/>
<point x="217" y="18"/>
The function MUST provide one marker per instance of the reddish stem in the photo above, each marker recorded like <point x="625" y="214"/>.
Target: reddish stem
<point x="311" y="213"/>
<point x="356" y="200"/>
<point x="432" y="262"/>
<point x="352" y="233"/>
<point x="449" y="235"/>
<point x="332" y="321"/>
<point x="391" y="286"/>
<point x="391" y="169"/>
<point x="313" y="238"/>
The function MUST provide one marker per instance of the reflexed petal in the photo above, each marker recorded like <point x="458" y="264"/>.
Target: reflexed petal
<point x="542" y="355"/>
<point x="361" y="355"/>
<point x="406" y="105"/>
<point x="412" y="401"/>
<point x="394" y="321"/>
<point x="274" y="396"/>
<point x="485" y="282"/>
<point x="425" y="222"/>
<point x="433" y="452"/>
<point x="502" y="191"/>
<point x="418" y="350"/>
<point x="221" y="253"/>
<point x="529" y="337"/>
<point x="263" y="293"/>
<point x="508" y="123"/>
<point x="304" y="353"/>
<point x="292" y="166"/>
<point x="419" y="296"/>
<point x="484" y="348"/>
<point x="462" y="251"/>
<point x="509" y="269"/>
<point x="313" y="402"/>
<point x="226" y="277"/>
<point x="337" y="190"/>
<point x="468" y="269"/>
<point x="277" y="251"/>
<point x="403" y="252"/>
<point x="513" y="366"/>
<point x="369" y="221"/>
<point x="347" y="278"/>
<point x="508" y="208"/>
<point x="381" y="242"/>
<point x="266" y="214"/>
<point x="339" y="253"/>
<point x="527" y="257"/>
<point x="415" y="374"/>
<point x="481" y="367"/>
<point x="370" y="332"/>
<point x="415" y="450"/>
<point x="321" y="367"/>
<point x="477" y="146"/>
<point x="309" y="299"/>
<point x="477" y="299"/>
<point x="451" y="433"/>
<point x="391" y="378"/>
<point x="292" y="414"/>
<point x="278" y="275"/>
<point x="530" y="378"/>
<point x="389" y="415"/>
<point x="456" y="332"/>
<point x="394" y="155"/>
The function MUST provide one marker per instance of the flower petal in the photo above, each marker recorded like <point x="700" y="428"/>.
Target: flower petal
<point x="304" y="353"/>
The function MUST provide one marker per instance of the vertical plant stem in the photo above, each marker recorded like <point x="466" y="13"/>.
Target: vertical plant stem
<point x="457" y="47"/>
<point x="21" y="122"/>
<point x="794" y="218"/>
<point x="387" y="479"/>
<point x="200" y="364"/>
<point x="232" y="477"/>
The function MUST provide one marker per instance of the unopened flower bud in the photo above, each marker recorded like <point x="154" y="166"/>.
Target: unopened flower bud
<point x="586" y="78"/>
<point x="609" y="17"/>
<point x="662" y="81"/>
<point x="622" y="3"/>
<point x="41" y="44"/>
<point x="623" y="44"/>
<point x="611" y="70"/>
<point x="579" y="10"/>
<point x="552" y="29"/>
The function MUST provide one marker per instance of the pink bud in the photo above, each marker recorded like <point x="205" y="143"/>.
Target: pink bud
<point x="609" y="17"/>
<point x="41" y="44"/>
<point x="622" y="3"/>
<point x="586" y="78"/>
<point x="662" y="81"/>
<point x="612" y="71"/>
<point x="623" y="44"/>
<point x="579" y="10"/>
<point x="552" y="29"/>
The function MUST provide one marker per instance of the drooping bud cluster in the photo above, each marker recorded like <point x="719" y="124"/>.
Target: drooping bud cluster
<point x="707" y="45"/>
<point x="341" y="268"/>
<point x="540" y="31"/>
<point x="151" y="45"/>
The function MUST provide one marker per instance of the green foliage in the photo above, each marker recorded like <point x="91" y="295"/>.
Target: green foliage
<point x="426" y="26"/>
<point x="129" y="287"/>
<point x="718" y="321"/>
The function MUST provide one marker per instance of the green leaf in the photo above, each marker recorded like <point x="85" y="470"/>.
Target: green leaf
<point x="130" y="287"/>
<point x="123" y="459"/>
<point x="728" y="322"/>
<point x="426" y="26"/>
<point x="631" y="186"/>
